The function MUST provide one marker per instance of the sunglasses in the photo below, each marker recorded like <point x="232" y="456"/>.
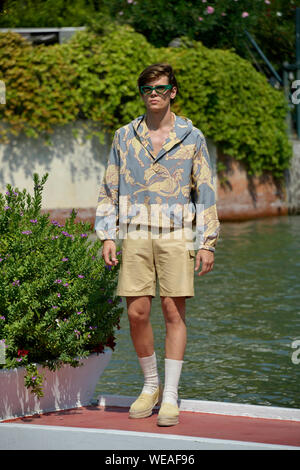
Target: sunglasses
<point x="160" y="89"/>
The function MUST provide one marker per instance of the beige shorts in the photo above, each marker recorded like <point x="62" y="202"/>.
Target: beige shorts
<point x="146" y="259"/>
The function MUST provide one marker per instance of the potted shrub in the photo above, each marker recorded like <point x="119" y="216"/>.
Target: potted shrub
<point x="57" y="302"/>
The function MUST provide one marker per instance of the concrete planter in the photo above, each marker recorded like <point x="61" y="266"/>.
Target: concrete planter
<point x="66" y="388"/>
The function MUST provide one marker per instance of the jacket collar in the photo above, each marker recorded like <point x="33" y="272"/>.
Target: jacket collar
<point x="181" y="128"/>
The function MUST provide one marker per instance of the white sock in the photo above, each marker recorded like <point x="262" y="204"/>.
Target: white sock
<point x="149" y="368"/>
<point x="172" y="375"/>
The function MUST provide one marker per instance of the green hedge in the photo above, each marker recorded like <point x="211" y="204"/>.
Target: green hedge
<point x="45" y="13"/>
<point x="94" y="77"/>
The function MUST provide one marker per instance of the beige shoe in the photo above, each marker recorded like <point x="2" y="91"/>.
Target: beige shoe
<point x="143" y="406"/>
<point x="168" y="415"/>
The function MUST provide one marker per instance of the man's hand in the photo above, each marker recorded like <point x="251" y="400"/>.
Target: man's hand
<point x="109" y="248"/>
<point x="207" y="258"/>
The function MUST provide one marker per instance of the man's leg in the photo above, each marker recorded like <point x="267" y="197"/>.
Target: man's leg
<point x="175" y="269"/>
<point x="138" y="309"/>
<point x="175" y="343"/>
<point x="174" y="312"/>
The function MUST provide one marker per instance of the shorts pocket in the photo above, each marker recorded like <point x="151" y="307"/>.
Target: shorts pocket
<point x="192" y="253"/>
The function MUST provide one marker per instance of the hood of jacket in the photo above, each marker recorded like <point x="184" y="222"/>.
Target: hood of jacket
<point x="182" y="127"/>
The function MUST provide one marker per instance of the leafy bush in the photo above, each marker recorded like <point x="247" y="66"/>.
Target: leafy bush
<point x="107" y="69"/>
<point x="40" y="87"/>
<point x="45" y="13"/>
<point x="219" y="91"/>
<point x="216" y="23"/>
<point x="57" y="301"/>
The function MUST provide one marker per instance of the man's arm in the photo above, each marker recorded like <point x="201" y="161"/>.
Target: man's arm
<point x="107" y="213"/>
<point x="207" y="222"/>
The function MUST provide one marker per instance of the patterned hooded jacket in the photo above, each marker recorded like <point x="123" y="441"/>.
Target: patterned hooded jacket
<point x="171" y="189"/>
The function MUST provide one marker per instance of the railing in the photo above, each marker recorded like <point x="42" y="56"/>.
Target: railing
<point x="291" y="67"/>
<point x="276" y="80"/>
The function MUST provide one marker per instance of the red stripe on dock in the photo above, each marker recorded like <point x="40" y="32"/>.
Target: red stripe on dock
<point x="207" y="425"/>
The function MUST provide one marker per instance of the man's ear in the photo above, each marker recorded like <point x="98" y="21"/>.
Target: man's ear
<point x="173" y="92"/>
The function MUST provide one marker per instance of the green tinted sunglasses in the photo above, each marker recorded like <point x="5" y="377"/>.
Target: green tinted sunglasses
<point x="160" y="89"/>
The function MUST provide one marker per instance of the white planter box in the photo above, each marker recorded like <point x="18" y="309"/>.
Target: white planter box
<point x="68" y="387"/>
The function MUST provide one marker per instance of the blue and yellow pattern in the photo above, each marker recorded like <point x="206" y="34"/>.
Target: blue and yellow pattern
<point x="160" y="190"/>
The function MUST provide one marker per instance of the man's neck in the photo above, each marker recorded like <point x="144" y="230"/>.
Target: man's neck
<point x="159" y="120"/>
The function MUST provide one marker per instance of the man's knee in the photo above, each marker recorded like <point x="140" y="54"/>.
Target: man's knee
<point x="137" y="317"/>
<point x="173" y="309"/>
<point x="138" y="309"/>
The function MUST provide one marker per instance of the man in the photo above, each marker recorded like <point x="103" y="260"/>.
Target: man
<point x="158" y="178"/>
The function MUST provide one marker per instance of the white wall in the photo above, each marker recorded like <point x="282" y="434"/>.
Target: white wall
<point x="75" y="166"/>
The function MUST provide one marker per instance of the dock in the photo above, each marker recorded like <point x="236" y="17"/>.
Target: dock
<point x="203" y="425"/>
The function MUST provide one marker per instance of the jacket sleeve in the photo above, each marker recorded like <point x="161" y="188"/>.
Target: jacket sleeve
<point x="107" y="213"/>
<point x="203" y="196"/>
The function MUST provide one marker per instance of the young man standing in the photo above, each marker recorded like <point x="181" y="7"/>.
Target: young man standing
<point x="158" y="179"/>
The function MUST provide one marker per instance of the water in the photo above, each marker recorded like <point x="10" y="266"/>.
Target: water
<point x="241" y="323"/>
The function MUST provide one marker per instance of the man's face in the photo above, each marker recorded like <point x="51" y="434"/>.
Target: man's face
<point x="156" y="100"/>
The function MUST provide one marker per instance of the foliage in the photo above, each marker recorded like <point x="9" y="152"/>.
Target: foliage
<point x="57" y="302"/>
<point x="39" y="83"/>
<point x="222" y="93"/>
<point x="216" y="23"/>
<point x="46" y="13"/>
<point x="276" y="32"/>
<point x="107" y="71"/>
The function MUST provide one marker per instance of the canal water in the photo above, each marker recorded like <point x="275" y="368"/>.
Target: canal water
<point x="242" y="323"/>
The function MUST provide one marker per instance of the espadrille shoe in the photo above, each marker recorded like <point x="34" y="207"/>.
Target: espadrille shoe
<point x="144" y="404"/>
<point x="168" y="415"/>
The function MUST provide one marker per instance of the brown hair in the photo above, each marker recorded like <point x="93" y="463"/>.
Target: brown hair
<point x="156" y="71"/>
